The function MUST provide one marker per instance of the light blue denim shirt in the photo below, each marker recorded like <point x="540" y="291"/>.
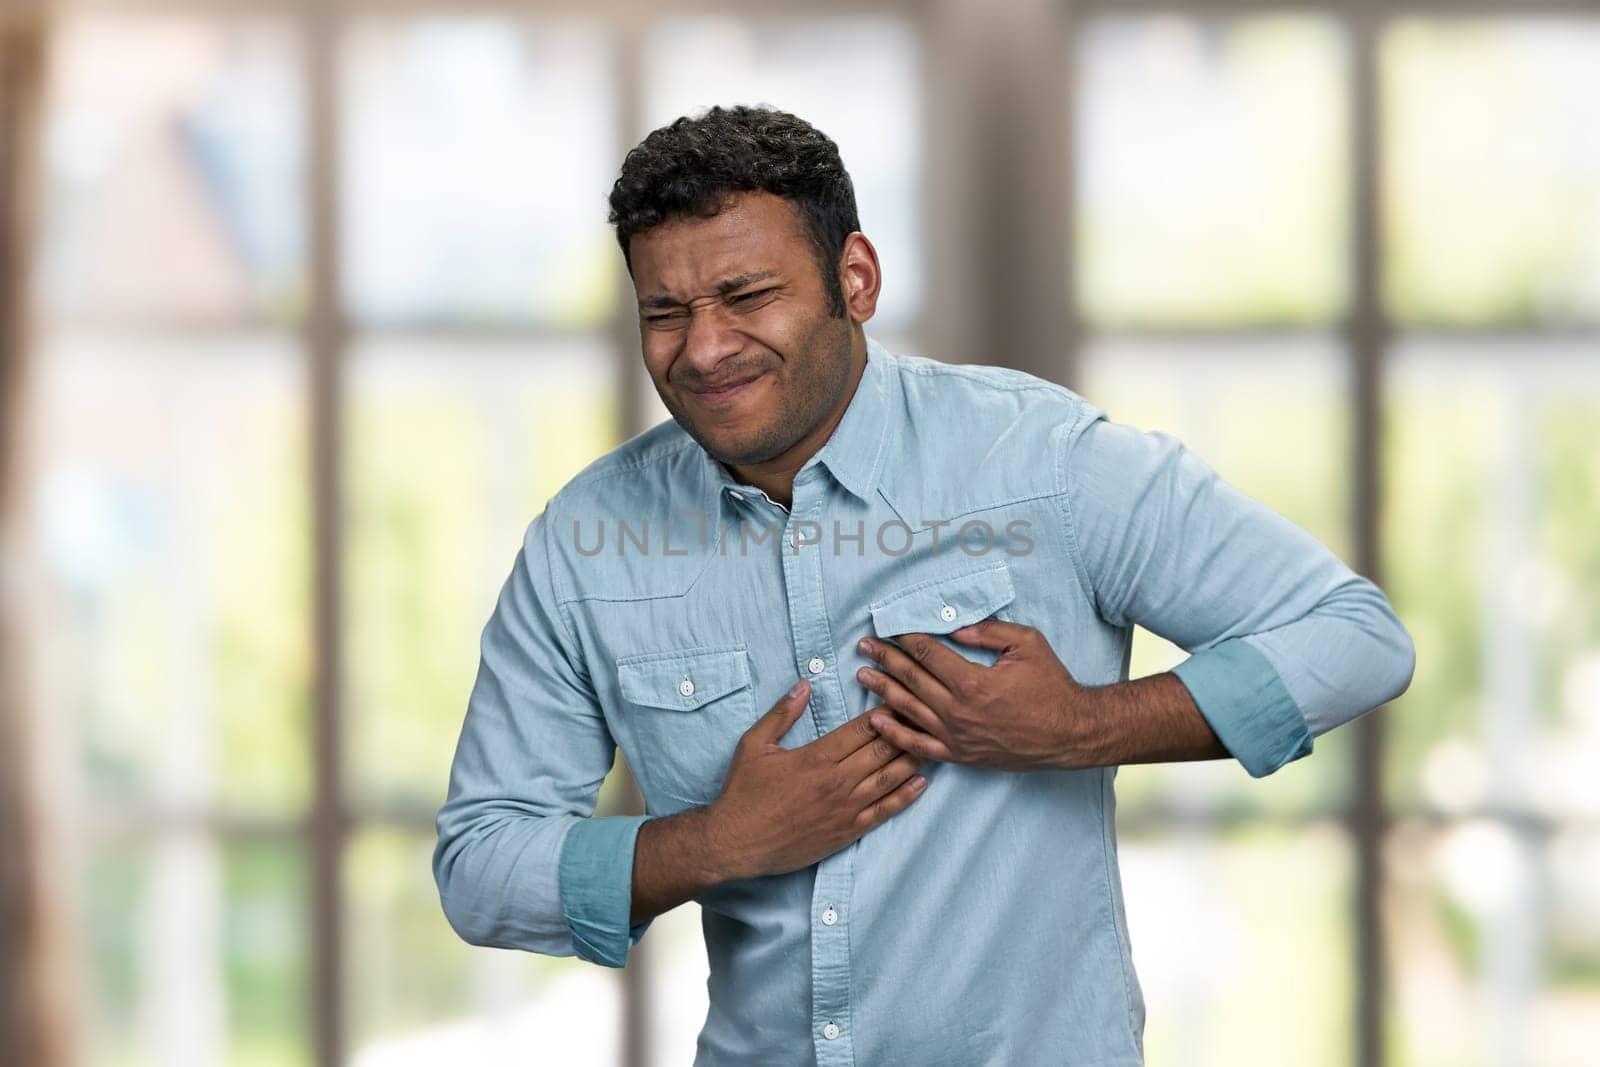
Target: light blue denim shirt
<point x="659" y="606"/>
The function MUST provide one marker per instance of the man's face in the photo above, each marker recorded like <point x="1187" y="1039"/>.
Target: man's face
<point x="734" y="324"/>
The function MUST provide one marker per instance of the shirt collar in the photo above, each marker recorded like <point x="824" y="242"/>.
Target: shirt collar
<point x="854" y="454"/>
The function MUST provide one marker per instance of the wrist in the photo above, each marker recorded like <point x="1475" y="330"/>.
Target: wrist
<point x="1081" y="737"/>
<point x="724" y="859"/>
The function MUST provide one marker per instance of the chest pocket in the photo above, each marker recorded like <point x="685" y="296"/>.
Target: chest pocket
<point x="687" y="709"/>
<point x="942" y="604"/>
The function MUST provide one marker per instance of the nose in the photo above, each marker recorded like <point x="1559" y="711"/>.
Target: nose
<point x="710" y="338"/>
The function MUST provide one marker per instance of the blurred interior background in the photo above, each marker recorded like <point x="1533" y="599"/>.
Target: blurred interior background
<point x="307" y="307"/>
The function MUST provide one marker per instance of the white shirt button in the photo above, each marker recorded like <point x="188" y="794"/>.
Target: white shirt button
<point x="829" y="917"/>
<point x="830" y="1031"/>
<point x="947" y="613"/>
<point x="686" y="687"/>
<point x="816" y="665"/>
<point x="735" y="494"/>
<point x="794" y="537"/>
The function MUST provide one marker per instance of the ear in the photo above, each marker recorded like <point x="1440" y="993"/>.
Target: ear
<point x="861" y="277"/>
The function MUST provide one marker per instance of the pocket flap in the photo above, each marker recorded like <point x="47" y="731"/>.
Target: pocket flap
<point x="940" y="605"/>
<point x="682" y="680"/>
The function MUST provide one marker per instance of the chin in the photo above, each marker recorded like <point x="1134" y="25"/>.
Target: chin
<point x="739" y="450"/>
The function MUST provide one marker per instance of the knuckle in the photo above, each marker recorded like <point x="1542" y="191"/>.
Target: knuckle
<point x="882" y="749"/>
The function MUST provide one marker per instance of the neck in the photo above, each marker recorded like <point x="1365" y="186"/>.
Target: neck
<point x="775" y="477"/>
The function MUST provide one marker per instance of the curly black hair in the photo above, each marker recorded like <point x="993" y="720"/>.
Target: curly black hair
<point x="693" y="166"/>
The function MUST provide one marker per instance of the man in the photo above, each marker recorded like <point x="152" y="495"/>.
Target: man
<point x="860" y="624"/>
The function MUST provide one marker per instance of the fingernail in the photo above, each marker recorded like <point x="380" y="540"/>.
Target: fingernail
<point x="918" y="781"/>
<point x="876" y="722"/>
<point x="794" y="690"/>
<point x="864" y="645"/>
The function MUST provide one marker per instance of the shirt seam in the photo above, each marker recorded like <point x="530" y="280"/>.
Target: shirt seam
<point x="934" y="368"/>
<point x="567" y="632"/>
<point x="1124" y="952"/>
<point x="945" y="579"/>
<point x="631" y="466"/>
<point x="1063" y="498"/>
<point x="927" y="524"/>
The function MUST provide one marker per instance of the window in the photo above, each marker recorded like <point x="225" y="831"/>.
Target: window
<point x="329" y="309"/>
<point x="1238" y="289"/>
<point x="469" y="358"/>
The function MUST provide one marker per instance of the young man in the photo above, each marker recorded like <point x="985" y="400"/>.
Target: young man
<point x="860" y="624"/>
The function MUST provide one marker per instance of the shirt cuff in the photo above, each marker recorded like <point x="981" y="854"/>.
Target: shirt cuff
<point x="1244" y="699"/>
<point x="596" y="877"/>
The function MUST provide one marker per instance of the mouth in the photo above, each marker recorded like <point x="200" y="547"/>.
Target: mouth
<point x="720" y="395"/>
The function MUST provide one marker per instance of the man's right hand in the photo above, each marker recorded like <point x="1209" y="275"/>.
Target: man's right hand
<point x="782" y="809"/>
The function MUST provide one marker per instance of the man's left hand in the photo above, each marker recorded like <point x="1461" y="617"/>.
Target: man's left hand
<point x="1026" y="712"/>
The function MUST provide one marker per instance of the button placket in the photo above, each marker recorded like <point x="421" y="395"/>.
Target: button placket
<point x="830" y="944"/>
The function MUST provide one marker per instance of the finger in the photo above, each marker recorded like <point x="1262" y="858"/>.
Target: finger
<point x="869" y="757"/>
<point x="886" y="779"/>
<point x="904" y="701"/>
<point x="995" y="634"/>
<point x="908" y="739"/>
<point x="842" y="740"/>
<point x="914" y="672"/>
<point x="770" y="728"/>
<point x="891" y="805"/>
<point x="943" y="663"/>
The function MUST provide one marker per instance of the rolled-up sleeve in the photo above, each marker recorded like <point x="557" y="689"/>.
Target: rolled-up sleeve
<point x="521" y="861"/>
<point x="1286" y="642"/>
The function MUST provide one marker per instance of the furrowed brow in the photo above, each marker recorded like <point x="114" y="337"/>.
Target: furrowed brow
<point x="724" y="287"/>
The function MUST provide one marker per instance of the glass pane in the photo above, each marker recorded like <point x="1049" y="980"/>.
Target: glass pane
<point x="1492" y="169"/>
<point x="1242" y="944"/>
<point x="198" y="953"/>
<point x="174" y="533"/>
<point x="1272" y="417"/>
<point x="454" y="447"/>
<point x="1212" y="170"/>
<point x="419" y="995"/>
<point x="478" y="152"/>
<point x="679" y="998"/>
<point x="174" y="170"/>
<point x="1492" y="500"/>
<point x="1495" y="942"/>
<point x="857" y="79"/>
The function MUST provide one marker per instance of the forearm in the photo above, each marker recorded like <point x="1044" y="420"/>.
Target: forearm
<point x="496" y="874"/>
<point x="1146" y="720"/>
<point x="675" y="859"/>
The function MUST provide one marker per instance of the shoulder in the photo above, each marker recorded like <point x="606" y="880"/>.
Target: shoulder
<point x="646" y="469"/>
<point x="990" y="400"/>
<point x="650" y="493"/>
<point x="976" y="436"/>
